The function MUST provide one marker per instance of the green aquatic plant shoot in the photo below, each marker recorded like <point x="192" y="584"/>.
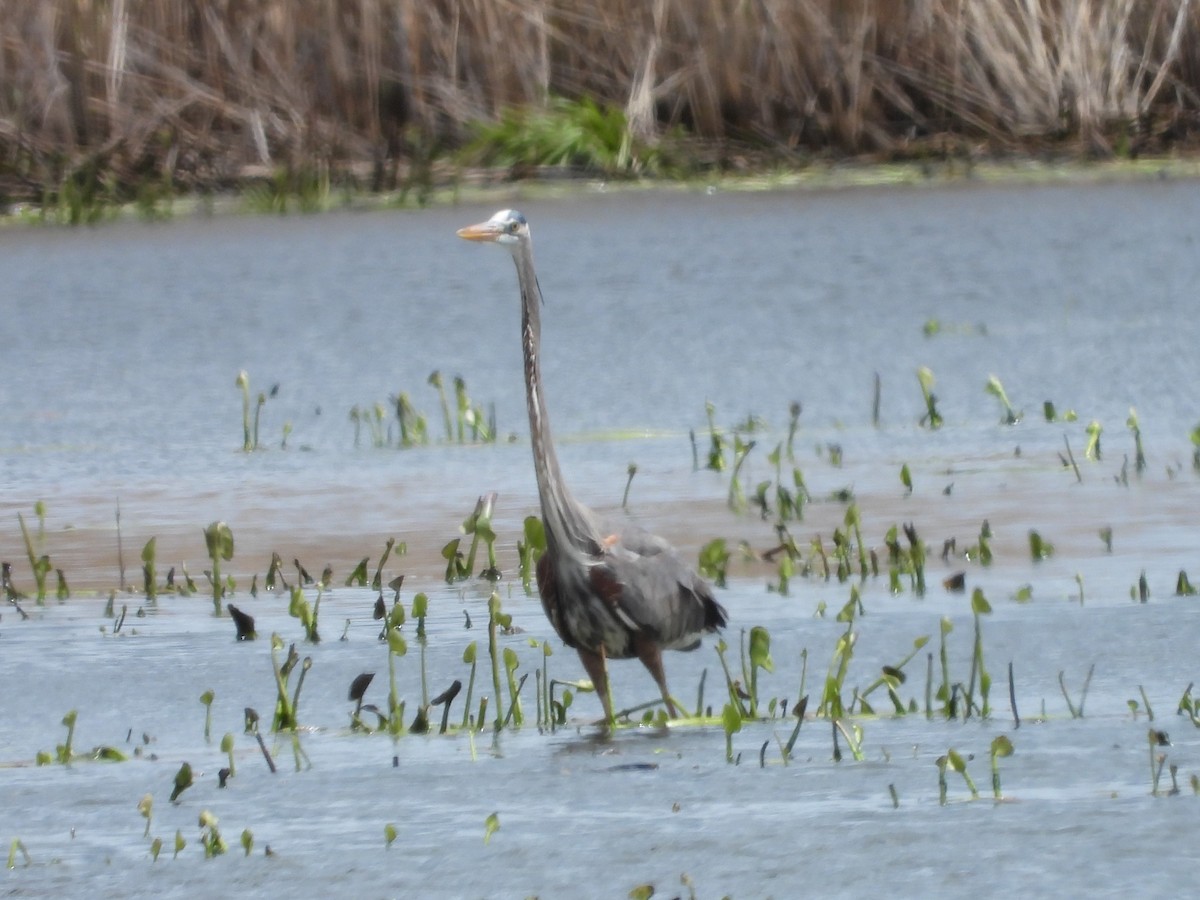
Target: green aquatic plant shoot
<point x="731" y="723"/>
<point x="1092" y="449"/>
<point x="716" y="441"/>
<point x="735" y="697"/>
<point x="479" y="526"/>
<point x="490" y="826"/>
<point x="945" y="691"/>
<point x="414" y="430"/>
<point x="243" y="382"/>
<point x="39" y="562"/>
<point x="298" y="608"/>
<point x="397" y="647"/>
<point x="145" y="807"/>
<point x="760" y="658"/>
<point x="853" y="522"/>
<point x="210" y="836"/>
<point x="996" y="389"/>
<point x="15" y="847"/>
<point x="530" y="550"/>
<point x="1156" y="738"/>
<point x="737" y="497"/>
<point x="218" y="538"/>
<point x="1001" y="747"/>
<point x="469" y="657"/>
<point x="714" y="559"/>
<point x="1139" y="451"/>
<point x="149" y="570"/>
<point x="979" y="607"/>
<point x="546" y="718"/>
<point x="511" y="662"/>
<point x="63" y="752"/>
<point x="1183" y="587"/>
<point x="456" y="563"/>
<point x="1039" y="547"/>
<point x="832" y="706"/>
<point x="207" y="700"/>
<point x="227" y="749"/>
<point x="893" y="677"/>
<point x="932" y="419"/>
<point x="285" y="718"/>
<point x="435" y="381"/>
<point x="497" y="620"/>
<point x="956" y="762"/>
<point x="183" y="780"/>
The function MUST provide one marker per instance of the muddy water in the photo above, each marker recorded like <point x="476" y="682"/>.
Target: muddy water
<point x="117" y="386"/>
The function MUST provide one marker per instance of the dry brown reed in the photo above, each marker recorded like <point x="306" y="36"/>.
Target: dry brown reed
<point x="199" y="90"/>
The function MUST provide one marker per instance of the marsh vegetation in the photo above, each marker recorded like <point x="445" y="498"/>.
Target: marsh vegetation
<point x="114" y="102"/>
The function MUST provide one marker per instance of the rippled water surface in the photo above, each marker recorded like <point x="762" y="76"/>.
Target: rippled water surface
<point x="122" y="345"/>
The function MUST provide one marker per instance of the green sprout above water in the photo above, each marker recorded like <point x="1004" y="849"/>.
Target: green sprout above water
<point x="490" y="826"/>
<point x="206" y="699"/>
<point x="210" y="836"/>
<point x="954" y="760"/>
<point x="760" y="658"/>
<point x="1039" y="547"/>
<point x="497" y="621"/>
<point x="714" y="559"/>
<point x="64" y="752"/>
<point x="183" y="780"/>
<point x="299" y="608"/>
<point x="716" y="445"/>
<point x="979" y="607"/>
<point x="932" y="419"/>
<point x="146" y="808"/>
<point x="1139" y="451"/>
<point x="218" y="538"/>
<point x="996" y="389"/>
<point x="1001" y="747"/>
<point x="1092" y="449"/>
<point x="530" y="550"/>
<point x="737" y="498"/>
<point x="39" y="562"/>
<point x="286" y="704"/>
<point x="479" y="526"/>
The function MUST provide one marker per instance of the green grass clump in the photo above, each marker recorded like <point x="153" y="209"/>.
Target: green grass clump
<point x="578" y="134"/>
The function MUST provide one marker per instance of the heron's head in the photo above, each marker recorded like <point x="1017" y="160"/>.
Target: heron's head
<point x="507" y="227"/>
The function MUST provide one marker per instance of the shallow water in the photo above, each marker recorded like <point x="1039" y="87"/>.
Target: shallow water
<point x="118" y="386"/>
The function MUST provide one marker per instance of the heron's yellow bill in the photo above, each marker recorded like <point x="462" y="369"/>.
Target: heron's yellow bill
<point x="484" y="231"/>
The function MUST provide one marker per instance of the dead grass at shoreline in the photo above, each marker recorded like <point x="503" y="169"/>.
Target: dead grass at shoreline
<point x="189" y="95"/>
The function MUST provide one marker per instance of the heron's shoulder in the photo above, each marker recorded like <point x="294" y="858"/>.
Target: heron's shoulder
<point x="624" y="539"/>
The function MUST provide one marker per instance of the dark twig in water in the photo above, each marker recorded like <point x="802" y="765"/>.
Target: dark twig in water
<point x="262" y="745"/>
<point x="1012" y="696"/>
<point x="1071" y="458"/>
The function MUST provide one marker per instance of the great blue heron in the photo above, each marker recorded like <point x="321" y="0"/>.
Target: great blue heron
<point x="609" y="591"/>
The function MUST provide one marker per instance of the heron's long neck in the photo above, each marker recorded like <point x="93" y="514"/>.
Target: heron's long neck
<point x="561" y="515"/>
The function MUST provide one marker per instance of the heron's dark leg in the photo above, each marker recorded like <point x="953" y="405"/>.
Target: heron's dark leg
<point x="651" y="656"/>
<point x="594" y="665"/>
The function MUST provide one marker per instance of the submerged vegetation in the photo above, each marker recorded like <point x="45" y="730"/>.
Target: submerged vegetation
<point x="112" y="102"/>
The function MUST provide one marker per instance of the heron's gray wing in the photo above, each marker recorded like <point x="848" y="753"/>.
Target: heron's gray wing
<point x="643" y="577"/>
